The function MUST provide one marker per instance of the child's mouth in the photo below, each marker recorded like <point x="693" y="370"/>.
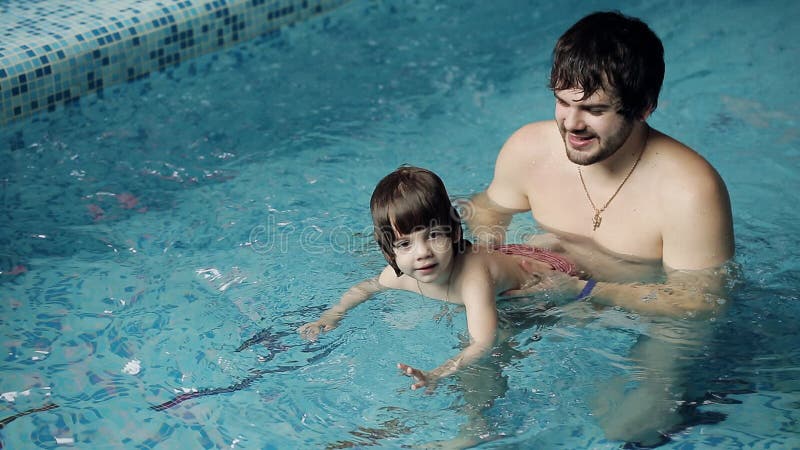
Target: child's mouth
<point x="426" y="269"/>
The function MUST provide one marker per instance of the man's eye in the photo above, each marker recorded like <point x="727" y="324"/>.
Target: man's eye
<point x="401" y="244"/>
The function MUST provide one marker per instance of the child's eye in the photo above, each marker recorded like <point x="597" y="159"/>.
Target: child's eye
<point x="400" y="245"/>
<point x="437" y="234"/>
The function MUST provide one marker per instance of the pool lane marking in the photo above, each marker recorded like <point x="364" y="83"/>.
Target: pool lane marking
<point x="16" y="416"/>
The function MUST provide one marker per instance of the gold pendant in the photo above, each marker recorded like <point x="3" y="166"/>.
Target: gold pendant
<point x="596" y="221"/>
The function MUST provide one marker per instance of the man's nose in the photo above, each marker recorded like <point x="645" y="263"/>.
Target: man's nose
<point x="573" y="120"/>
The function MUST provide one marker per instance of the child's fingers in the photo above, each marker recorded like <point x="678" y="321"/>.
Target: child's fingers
<point x="408" y="370"/>
<point x="418" y="375"/>
<point x="309" y="331"/>
<point x="418" y="385"/>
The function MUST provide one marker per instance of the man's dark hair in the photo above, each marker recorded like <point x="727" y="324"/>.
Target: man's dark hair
<point x="615" y="52"/>
<point x="408" y="200"/>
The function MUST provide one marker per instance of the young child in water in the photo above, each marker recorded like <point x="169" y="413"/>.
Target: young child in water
<point x="420" y="235"/>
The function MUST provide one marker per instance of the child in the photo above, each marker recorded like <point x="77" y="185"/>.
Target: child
<point x="419" y="233"/>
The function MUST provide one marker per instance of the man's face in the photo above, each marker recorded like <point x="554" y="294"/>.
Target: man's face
<point x="592" y="128"/>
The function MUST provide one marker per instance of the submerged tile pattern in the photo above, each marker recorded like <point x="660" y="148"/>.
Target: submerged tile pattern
<point x="52" y="52"/>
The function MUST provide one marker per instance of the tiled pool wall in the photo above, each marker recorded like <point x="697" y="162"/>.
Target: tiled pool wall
<point x="53" y="52"/>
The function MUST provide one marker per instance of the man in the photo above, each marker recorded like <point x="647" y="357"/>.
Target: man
<point x="620" y="199"/>
<point x="630" y="205"/>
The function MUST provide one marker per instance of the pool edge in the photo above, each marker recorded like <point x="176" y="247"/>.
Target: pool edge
<point x="45" y="63"/>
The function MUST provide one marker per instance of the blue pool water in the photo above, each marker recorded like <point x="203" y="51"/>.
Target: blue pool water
<point x="149" y="232"/>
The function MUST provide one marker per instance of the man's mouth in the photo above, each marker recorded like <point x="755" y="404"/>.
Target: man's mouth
<point x="579" y="141"/>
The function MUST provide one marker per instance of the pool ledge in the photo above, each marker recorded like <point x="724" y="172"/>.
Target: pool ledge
<point x="54" y="52"/>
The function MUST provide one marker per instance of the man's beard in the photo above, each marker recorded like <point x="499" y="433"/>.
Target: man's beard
<point x="608" y="145"/>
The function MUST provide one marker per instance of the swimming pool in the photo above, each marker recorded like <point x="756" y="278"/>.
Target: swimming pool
<point x="148" y="234"/>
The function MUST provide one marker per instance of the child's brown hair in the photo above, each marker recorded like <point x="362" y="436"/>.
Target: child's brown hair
<point x="408" y="200"/>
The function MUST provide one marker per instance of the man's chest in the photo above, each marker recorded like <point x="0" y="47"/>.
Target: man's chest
<point x="628" y="225"/>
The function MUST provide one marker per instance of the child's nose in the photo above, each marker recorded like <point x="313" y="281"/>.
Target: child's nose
<point x="424" y="250"/>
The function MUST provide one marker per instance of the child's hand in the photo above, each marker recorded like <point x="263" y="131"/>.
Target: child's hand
<point x="421" y="378"/>
<point x="311" y="330"/>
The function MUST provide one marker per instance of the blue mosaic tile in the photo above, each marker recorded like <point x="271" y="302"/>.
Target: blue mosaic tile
<point x="53" y="52"/>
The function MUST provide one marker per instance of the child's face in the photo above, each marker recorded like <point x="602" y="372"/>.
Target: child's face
<point x="426" y="254"/>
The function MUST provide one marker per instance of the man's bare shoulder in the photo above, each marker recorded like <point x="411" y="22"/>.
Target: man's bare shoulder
<point x="685" y="181"/>
<point x="534" y="136"/>
<point x="536" y="141"/>
<point x="679" y="168"/>
<point x="694" y="207"/>
<point x="533" y="148"/>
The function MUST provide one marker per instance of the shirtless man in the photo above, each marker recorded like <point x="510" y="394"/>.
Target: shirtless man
<point x="620" y="199"/>
<point x="630" y="205"/>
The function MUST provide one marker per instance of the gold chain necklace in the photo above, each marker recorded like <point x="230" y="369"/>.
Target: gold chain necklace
<point x="598" y="212"/>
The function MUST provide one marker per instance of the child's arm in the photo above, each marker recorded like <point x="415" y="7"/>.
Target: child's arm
<point x="329" y="319"/>
<point x="479" y="300"/>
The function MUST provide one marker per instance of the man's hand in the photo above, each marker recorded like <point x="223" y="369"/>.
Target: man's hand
<point x="541" y="281"/>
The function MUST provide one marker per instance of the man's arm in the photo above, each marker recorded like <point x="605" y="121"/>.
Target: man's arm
<point x="698" y="229"/>
<point x="697" y="242"/>
<point x="488" y="213"/>
<point x="698" y="293"/>
<point x="487" y="220"/>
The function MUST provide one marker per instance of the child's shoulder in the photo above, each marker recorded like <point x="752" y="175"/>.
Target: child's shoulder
<point x="389" y="279"/>
<point x="482" y="262"/>
<point x="478" y="259"/>
<point x="481" y="254"/>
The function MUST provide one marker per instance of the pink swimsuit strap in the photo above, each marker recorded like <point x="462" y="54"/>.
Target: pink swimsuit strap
<point x="556" y="261"/>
